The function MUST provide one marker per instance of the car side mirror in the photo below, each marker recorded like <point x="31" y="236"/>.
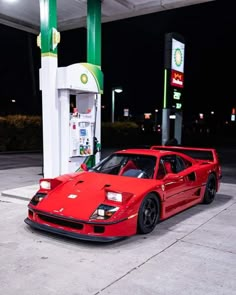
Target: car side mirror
<point x="84" y="167"/>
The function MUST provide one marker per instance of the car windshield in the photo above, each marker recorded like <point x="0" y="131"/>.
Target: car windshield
<point x="132" y="165"/>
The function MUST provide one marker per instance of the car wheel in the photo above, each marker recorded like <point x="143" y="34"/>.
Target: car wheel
<point x="210" y="191"/>
<point x="148" y="214"/>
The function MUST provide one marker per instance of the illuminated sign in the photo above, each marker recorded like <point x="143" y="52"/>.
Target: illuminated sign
<point x="176" y="95"/>
<point x="178" y="106"/>
<point x="177" y="79"/>
<point x="176" y="99"/>
<point x="177" y="58"/>
<point x="147" y="115"/>
<point x="126" y="112"/>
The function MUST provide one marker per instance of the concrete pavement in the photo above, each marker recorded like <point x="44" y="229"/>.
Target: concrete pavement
<point x="191" y="253"/>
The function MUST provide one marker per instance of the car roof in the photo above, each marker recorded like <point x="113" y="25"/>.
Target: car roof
<point x="147" y="152"/>
<point x="156" y="153"/>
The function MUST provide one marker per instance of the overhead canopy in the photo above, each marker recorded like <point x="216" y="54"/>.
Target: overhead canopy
<point x="24" y="14"/>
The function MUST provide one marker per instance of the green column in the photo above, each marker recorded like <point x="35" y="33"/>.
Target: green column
<point x="94" y="32"/>
<point x="48" y="24"/>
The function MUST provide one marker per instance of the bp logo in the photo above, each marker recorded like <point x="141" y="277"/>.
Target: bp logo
<point x="84" y="78"/>
<point x="178" y="57"/>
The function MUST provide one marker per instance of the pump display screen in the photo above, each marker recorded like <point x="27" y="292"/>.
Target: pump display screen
<point x="83" y="132"/>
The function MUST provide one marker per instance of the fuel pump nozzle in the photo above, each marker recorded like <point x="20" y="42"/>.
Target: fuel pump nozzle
<point x="96" y="146"/>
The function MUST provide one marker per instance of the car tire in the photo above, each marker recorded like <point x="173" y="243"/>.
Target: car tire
<point x="148" y="214"/>
<point x="210" y="191"/>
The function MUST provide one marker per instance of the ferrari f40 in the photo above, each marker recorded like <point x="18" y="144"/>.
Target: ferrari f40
<point x="126" y="193"/>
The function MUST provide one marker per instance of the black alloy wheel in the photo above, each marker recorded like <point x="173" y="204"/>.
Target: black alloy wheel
<point x="148" y="215"/>
<point x="210" y="191"/>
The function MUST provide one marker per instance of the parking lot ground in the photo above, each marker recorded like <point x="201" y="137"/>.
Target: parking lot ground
<point x="193" y="252"/>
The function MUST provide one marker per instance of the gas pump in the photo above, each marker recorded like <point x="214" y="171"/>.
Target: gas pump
<point x="79" y="129"/>
<point x="82" y="122"/>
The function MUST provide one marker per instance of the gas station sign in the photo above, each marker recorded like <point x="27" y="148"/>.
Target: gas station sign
<point x="177" y="58"/>
<point x="177" y="79"/>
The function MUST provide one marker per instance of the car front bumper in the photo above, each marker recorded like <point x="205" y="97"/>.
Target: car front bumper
<point x="70" y="234"/>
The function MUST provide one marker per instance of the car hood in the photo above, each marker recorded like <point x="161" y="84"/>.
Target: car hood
<point x="80" y="196"/>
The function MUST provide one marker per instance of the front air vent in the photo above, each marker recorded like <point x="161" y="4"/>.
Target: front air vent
<point x="197" y="192"/>
<point x="62" y="222"/>
<point x="192" y="176"/>
<point x="99" y="229"/>
<point x="80" y="181"/>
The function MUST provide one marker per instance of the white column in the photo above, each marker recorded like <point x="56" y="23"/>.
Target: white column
<point x="64" y="99"/>
<point x="50" y="116"/>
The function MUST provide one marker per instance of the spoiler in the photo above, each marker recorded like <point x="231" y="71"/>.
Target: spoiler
<point x="208" y="154"/>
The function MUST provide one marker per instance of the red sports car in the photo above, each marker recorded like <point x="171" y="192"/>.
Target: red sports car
<point x="126" y="193"/>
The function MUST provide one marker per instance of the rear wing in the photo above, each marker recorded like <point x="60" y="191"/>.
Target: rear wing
<point x="207" y="154"/>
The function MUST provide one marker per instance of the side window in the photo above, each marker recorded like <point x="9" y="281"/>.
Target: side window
<point x="187" y="163"/>
<point x="174" y="163"/>
<point x="170" y="163"/>
<point x="181" y="164"/>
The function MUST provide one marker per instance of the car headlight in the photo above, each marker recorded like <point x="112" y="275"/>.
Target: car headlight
<point x="104" y="212"/>
<point x="118" y="196"/>
<point x="45" y="184"/>
<point x="113" y="196"/>
<point x="37" y="198"/>
<point x="48" y="184"/>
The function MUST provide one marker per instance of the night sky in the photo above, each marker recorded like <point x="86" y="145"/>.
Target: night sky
<point x="132" y="57"/>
